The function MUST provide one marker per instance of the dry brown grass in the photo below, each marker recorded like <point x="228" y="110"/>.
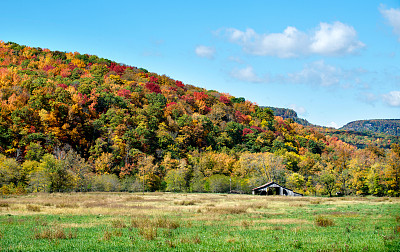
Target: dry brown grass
<point x="282" y="221"/>
<point x="192" y="206"/>
<point x="186" y="202"/>
<point x="67" y="205"/>
<point x="4" y="204"/>
<point x="148" y="232"/>
<point x="118" y="223"/>
<point x="228" y="209"/>
<point x="323" y="221"/>
<point x="162" y="222"/>
<point x="53" y="233"/>
<point x="33" y="208"/>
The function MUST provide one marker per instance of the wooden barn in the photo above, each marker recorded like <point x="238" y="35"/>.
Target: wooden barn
<point x="272" y="188"/>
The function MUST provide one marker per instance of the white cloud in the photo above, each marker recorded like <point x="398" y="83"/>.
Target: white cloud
<point x="205" y="51"/>
<point x="328" y="39"/>
<point x="288" y="44"/>
<point x="246" y="74"/>
<point x="392" y="98"/>
<point x="369" y="98"/>
<point x="333" y="125"/>
<point x="321" y="74"/>
<point x="235" y="59"/>
<point x="393" y="17"/>
<point x="335" y="39"/>
<point x="299" y="109"/>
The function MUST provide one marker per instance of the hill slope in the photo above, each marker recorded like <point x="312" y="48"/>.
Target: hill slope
<point x="386" y="126"/>
<point x="71" y="121"/>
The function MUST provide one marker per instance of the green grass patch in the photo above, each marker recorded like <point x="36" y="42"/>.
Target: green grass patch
<point x="153" y="222"/>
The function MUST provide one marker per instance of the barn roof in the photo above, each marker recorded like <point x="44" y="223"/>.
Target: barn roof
<point x="271" y="183"/>
<point x="268" y="184"/>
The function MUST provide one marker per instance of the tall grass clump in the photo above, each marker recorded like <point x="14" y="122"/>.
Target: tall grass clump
<point x="53" y="234"/>
<point x="33" y="208"/>
<point x="228" y="209"/>
<point x="148" y="232"/>
<point x="118" y="224"/>
<point x="185" y="202"/>
<point x="321" y="221"/>
<point x="147" y="228"/>
<point x="4" y="204"/>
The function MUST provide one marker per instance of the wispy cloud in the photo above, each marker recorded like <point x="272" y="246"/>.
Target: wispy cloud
<point x="367" y="97"/>
<point x="205" y="51"/>
<point x="327" y="39"/>
<point x="299" y="109"/>
<point x="321" y="74"/>
<point x="246" y="74"/>
<point x="316" y="73"/>
<point x="393" y="17"/>
<point x="392" y="98"/>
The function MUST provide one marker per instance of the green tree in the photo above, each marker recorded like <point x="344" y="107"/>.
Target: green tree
<point x="175" y="180"/>
<point x="34" y="151"/>
<point x="218" y="183"/>
<point x="327" y="180"/>
<point x="60" y="179"/>
<point x="10" y="171"/>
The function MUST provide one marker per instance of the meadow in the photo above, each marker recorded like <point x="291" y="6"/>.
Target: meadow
<point x="197" y="222"/>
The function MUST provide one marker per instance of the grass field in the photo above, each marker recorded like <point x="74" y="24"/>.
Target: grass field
<point x="197" y="222"/>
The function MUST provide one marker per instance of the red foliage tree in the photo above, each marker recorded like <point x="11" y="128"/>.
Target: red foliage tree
<point x="153" y="87"/>
<point x="48" y="67"/>
<point x="224" y="99"/>
<point x="188" y="98"/>
<point x="124" y="93"/>
<point x="239" y="116"/>
<point x="200" y="95"/>
<point x="119" y="69"/>
<point x="257" y="128"/>
<point x="153" y="79"/>
<point x="62" y="85"/>
<point x="171" y="104"/>
<point x="247" y="131"/>
<point x="179" y="84"/>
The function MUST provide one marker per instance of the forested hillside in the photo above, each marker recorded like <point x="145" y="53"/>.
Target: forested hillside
<point x="78" y="122"/>
<point x="363" y="139"/>
<point x="386" y="126"/>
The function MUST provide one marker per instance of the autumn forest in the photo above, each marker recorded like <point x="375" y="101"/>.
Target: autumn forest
<point x="78" y="122"/>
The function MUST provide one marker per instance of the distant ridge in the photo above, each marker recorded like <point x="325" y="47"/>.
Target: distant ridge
<point x="386" y="126"/>
<point x="286" y="113"/>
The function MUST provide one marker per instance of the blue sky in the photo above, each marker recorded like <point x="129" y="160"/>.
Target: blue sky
<point x="331" y="61"/>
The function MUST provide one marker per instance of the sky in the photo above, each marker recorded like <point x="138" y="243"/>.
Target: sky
<point x="333" y="62"/>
